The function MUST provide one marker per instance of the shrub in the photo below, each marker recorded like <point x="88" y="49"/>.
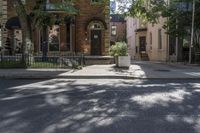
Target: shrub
<point x="119" y="49"/>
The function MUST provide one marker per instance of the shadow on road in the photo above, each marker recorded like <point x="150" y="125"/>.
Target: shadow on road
<point x="118" y="106"/>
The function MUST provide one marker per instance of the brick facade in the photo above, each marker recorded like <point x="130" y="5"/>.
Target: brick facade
<point x="78" y="33"/>
<point x="119" y="22"/>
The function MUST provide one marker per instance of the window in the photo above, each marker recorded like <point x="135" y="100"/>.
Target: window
<point x="0" y="38"/>
<point x="150" y="39"/>
<point x="54" y="38"/>
<point x="69" y="37"/>
<point x="184" y="6"/>
<point x="17" y="43"/>
<point x="114" y="30"/>
<point x="96" y="26"/>
<point x="159" y="39"/>
<point x="53" y="1"/>
<point x="23" y="2"/>
<point x="41" y="40"/>
<point x="96" y="1"/>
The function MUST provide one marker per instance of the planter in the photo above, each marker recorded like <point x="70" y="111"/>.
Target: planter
<point x="116" y="60"/>
<point x="124" y="61"/>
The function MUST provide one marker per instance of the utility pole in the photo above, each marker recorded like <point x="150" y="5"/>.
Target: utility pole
<point x="192" y="33"/>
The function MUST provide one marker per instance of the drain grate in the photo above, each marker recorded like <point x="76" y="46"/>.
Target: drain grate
<point x="162" y="70"/>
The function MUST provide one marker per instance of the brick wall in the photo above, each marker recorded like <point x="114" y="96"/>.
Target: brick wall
<point x="86" y="12"/>
<point x="121" y="32"/>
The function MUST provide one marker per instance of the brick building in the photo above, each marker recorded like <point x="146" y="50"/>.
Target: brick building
<point x="86" y="32"/>
<point x="117" y="28"/>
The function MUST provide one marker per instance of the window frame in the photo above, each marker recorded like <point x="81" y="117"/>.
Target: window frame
<point x="41" y="39"/>
<point x="59" y="38"/>
<point x="112" y="28"/>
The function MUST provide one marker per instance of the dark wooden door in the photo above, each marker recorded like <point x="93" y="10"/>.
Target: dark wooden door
<point x="142" y="44"/>
<point x="96" y="42"/>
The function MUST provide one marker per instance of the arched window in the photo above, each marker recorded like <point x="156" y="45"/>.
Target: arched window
<point x="96" y="26"/>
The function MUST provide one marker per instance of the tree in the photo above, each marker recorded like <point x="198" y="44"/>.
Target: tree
<point x="25" y="21"/>
<point x="147" y="10"/>
<point x="177" y="12"/>
<point x="36" y="17"/>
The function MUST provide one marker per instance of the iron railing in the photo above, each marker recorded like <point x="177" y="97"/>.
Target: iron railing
<point x="38" y="61"/>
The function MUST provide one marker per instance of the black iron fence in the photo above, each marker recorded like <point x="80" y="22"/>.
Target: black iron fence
<point x="38" y="61"/>
<point x="195" y="57"/>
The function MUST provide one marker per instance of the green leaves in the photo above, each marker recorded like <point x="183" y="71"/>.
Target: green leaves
<point x="119" y="49"/>
<point x="146" y="10"/>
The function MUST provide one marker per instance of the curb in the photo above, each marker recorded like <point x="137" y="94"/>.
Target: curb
<point x="29" y="77"/>
<point x="66" y="77"/>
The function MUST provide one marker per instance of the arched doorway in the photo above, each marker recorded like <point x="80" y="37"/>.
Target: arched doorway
<point x="96" y="31"/>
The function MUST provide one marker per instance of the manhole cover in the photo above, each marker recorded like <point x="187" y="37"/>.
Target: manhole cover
<point x="162" y="70"/>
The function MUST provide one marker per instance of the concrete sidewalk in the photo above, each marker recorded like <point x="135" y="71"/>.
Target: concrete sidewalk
<point x="139" y="70"/>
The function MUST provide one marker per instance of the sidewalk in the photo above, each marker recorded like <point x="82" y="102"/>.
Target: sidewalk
<point x="138" y="70"/>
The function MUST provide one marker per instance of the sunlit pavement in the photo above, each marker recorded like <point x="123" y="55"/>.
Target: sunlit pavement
<point x="99" y="106"/>
<point x="163" y="70"/>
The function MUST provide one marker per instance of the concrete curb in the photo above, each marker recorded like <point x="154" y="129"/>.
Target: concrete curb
<point x="66" y="77"/>
<point x="32" y="77"/>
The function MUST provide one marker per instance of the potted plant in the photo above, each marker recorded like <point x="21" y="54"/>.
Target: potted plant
<point x="120" y="52"/>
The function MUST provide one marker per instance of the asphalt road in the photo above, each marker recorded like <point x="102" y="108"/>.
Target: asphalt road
<point x="99" y="106"/>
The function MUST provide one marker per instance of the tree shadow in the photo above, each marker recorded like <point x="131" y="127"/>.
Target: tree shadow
<point x="101" y="106"/>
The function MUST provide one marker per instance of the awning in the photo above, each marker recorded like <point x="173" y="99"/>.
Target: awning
<point x="141" y="30"/>
<point x="13" y="23"/>
<point x="61" y="7"/>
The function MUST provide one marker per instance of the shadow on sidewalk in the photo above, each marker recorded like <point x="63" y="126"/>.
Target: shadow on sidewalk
<point x="33" y="73"/>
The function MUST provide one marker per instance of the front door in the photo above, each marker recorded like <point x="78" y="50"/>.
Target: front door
<point x="142" y="44"/>
<point x="95" y="42"/>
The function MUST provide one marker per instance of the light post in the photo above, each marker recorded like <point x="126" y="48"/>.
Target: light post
<point x="192" y="33"/>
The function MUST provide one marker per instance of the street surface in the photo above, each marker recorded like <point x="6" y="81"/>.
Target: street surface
<point x="100" y="106"/>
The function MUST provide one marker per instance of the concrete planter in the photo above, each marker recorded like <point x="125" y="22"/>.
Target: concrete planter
<point x="124" y="61"/>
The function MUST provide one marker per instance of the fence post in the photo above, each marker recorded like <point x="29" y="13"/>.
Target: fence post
<point x="82" y="59"/>
<point x="1" y="56"/>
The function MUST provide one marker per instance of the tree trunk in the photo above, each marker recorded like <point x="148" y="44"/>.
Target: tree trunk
<point x="27" y="44"/>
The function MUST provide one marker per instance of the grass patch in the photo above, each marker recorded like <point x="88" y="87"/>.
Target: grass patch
<point x="12" y="64"/>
